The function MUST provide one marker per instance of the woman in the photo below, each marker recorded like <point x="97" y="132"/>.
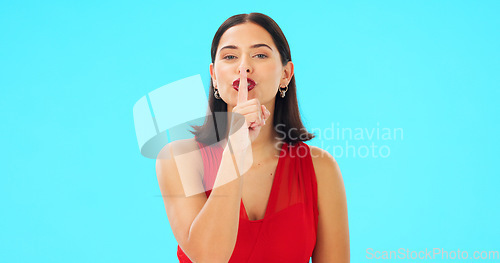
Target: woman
<point x="279" y="200"/>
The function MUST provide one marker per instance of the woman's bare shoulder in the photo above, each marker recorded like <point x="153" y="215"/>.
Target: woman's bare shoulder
<point x="178" y="147"/>
<point x="325" y="165"/>
<point x="321" y="157"/>
<point x="183" y="152"/>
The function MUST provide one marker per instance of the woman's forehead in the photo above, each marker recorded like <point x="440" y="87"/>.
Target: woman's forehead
<point x="245" y="36"/>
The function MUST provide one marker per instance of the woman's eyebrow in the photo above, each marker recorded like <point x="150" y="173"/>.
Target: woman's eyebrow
<point x="253" y="46"/>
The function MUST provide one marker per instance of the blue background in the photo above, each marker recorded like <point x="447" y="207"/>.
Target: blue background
<point x="74" y="187"/>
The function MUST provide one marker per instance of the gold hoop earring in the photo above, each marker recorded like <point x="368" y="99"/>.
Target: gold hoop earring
<point x="283" y="92"/>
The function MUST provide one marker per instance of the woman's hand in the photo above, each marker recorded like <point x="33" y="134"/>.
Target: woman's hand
<point x="254" y="113"/>
<point x="247" y="118"/>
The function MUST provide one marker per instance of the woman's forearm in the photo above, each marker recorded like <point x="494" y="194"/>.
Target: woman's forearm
<point x="213" y="233"/>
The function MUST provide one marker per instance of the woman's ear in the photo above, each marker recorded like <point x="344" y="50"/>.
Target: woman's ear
<point x="212" y="74"/>
<point x="287" y="75"/>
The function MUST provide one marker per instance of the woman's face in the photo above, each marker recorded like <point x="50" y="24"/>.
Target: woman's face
<point x="251" y="46"/>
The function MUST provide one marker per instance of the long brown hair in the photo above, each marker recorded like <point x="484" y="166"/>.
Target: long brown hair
<point x="286" y="110"/>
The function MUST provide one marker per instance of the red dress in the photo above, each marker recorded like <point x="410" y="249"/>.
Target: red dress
<point x="287" y="233"/>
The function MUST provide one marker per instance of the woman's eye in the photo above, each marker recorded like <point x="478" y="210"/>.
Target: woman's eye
<point x="230" y="57"/>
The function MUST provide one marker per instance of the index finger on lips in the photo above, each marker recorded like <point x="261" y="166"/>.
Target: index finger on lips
<point x="243" y="87"/>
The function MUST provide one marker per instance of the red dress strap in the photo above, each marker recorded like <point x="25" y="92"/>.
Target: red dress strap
<point x="211" y="156"/>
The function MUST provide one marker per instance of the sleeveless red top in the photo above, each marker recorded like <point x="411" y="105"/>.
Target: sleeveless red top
<point x="287" y="233"/>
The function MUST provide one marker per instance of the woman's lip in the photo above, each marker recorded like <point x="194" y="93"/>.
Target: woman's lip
<point x="251" y="84"/>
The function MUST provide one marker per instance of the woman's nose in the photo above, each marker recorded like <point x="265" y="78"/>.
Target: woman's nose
<point x="243" y="67"/>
